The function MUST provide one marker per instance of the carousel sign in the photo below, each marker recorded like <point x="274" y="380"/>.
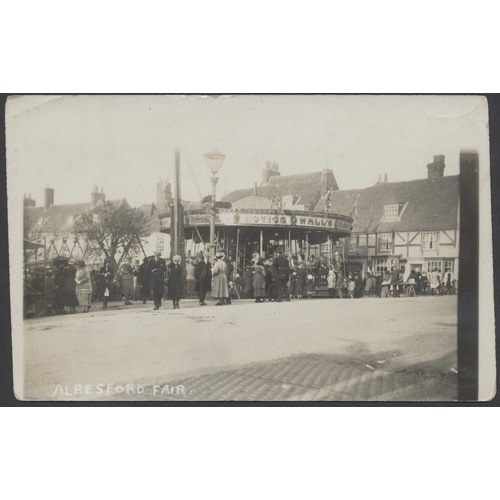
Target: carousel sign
<point x="269" y="218"/>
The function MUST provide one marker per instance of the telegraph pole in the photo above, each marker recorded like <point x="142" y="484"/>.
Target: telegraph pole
<point x="177" y="227"/>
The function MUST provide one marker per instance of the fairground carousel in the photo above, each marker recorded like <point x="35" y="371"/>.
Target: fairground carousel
<point x="256" y="225"/>
<point x="252" y="225"/>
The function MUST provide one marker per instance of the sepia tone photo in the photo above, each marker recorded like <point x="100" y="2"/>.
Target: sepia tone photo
<point x="247" y="247"/>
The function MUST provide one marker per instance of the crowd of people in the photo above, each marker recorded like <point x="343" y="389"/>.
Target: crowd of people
<point x="280" y="278"/>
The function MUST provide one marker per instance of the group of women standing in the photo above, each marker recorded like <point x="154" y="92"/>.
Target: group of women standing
<point x="72" y="287"/>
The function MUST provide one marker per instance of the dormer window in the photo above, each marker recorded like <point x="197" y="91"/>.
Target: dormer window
<point x="287" y="202"/>
<point x="391" y="211"/>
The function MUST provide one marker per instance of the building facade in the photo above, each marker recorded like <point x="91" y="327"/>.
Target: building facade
<point x="413" y="224"/>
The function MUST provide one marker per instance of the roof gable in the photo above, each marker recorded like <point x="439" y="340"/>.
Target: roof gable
<point x="431" y="204"/>
<point x="307" y="187"/>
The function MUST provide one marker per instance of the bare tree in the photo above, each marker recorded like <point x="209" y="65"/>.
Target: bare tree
<point x="109" y="228"/>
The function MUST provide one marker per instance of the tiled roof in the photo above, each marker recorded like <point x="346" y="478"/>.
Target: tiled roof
<point x="57" y="218"/>
<point x="306" y="186"/>
<point x="427" y="204"/>
<point x="151" y="213"/>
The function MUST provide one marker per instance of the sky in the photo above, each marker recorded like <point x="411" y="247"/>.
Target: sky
<point x="124" y="144"/>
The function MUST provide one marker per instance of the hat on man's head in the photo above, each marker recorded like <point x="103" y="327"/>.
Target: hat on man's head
<point x="71" y="262"/>
<point x="177" y="258"/>
<point x="81" y="262"/>
<point x="157" y="253"/>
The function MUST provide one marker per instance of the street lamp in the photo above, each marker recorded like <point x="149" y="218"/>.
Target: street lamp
<point x="214" y="161"/>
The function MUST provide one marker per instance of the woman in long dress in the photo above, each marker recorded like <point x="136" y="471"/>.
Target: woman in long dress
<point x="69" y="286"/>
<point x="301" y="281"/>
<point x="191" y="280"/>
<point x="83" y="286"/>
<point x="220" y="289"/>
<point x="435" y="282"/>
<point x="259" y="281"/>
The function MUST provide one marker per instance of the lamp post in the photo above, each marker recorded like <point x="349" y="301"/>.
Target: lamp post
<point x="214" y="161"/>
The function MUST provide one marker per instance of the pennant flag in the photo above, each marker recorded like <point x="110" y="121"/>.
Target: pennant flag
<point x="354" y="212"/>
<point x="328" y="200"/>
<point x="276" y="203"/>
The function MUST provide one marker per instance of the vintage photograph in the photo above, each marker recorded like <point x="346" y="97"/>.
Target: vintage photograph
<point x="242" y="247"/>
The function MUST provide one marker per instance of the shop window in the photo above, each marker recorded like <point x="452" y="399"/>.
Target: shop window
<point x="434" y="264"/>
<point x="429" y="241"/>
<point x="353" y="240"/>
<point x="448" y="264"/>
<point x="381" y="265"/>
<point x="385" y="242"/>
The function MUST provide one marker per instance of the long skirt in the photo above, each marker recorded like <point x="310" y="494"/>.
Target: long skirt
<point x="259" y="292"/>
<point x="84" y="299"/>
<point x="128" y="287"/>
<point x="191" y="284"/>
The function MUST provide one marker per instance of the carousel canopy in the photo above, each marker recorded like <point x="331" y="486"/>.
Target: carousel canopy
<point x="253" y="202"/>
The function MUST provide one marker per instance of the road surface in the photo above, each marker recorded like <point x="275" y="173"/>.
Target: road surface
<point x="308" y="350"/>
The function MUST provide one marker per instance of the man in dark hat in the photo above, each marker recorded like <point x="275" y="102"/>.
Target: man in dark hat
<point x="282" y="267"/>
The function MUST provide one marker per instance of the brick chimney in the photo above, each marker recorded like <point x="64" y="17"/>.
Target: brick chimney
<point x="436" y="168"/>
<point x="28" y="202"/>
<point x="272" y="169"/>
<point x="97" y="196"/>
<point x="48" y="197"/>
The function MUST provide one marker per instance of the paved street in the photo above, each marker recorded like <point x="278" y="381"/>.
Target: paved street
<point x="306" y="350"/>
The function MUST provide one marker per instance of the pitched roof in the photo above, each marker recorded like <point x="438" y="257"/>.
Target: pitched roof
<point x="427" y="204"/>
<point x="151" y="212"/>
<point x="305" y="186"/>
<point x="58" y="218"/>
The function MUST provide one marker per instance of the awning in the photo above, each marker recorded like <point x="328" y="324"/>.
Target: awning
<point x="30" y="245"/>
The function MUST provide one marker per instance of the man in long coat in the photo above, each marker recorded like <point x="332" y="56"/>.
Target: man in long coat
<point x="157" y="262"/>
<point x="203" y="276"/>
<point x="144" y="279"/>
<point x="219" y="272"/>
<point x="282" y="267"/>
<point x="395" y="278"/>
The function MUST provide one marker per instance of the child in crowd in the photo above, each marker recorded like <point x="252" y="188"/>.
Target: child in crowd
<point x="331" y="283"/>
<point x="424" y="282"/>
<point x="309" y="285"/>
<point x="351" y="288"/>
